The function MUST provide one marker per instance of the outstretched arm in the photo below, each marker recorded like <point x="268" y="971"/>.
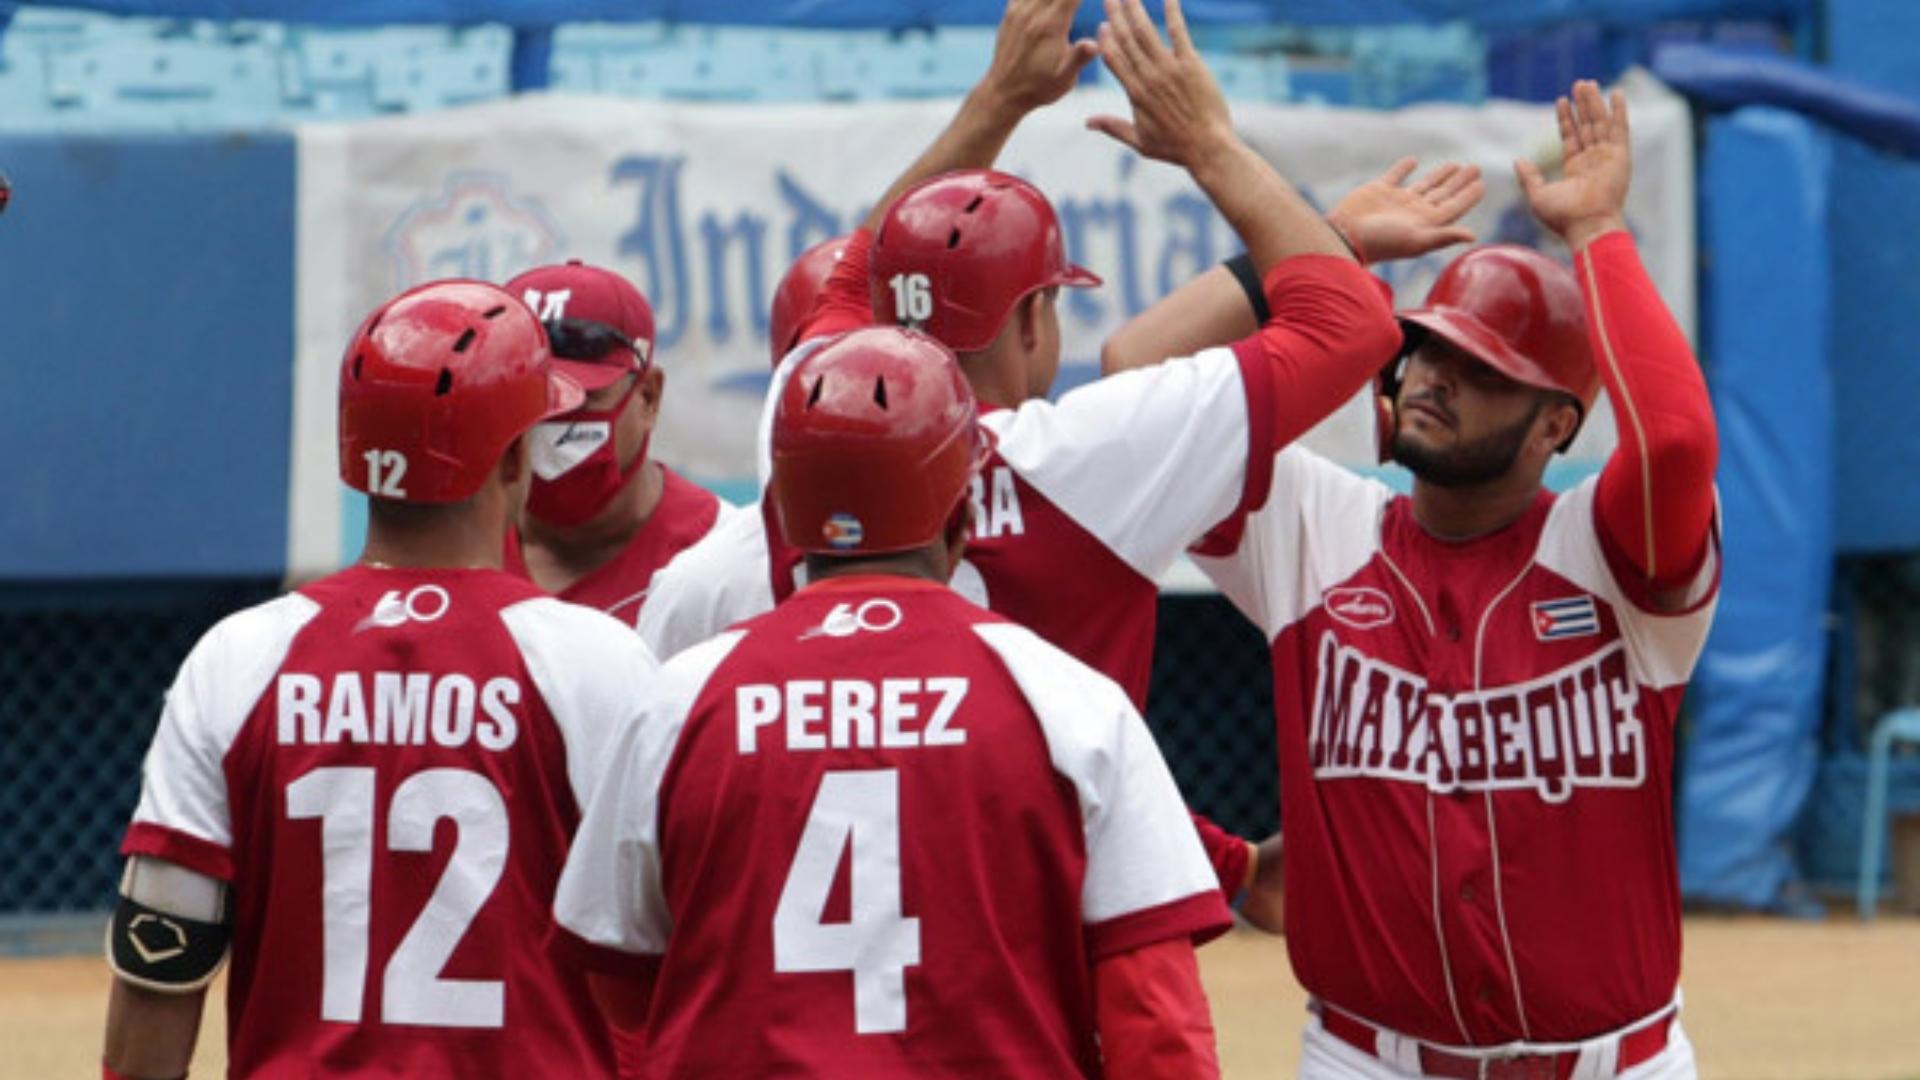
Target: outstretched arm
<point x="1180" y="117"/>
<point x="1655" y="500"/>
<point x="1383" y="220"/>
<point x="1331" y="328"/>
<point x="1034" y="64"/>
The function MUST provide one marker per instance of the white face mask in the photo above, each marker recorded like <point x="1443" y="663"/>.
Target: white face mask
<point x="558" y="447"/>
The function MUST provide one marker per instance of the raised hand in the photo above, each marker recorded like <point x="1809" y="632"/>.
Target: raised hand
<point x="1590" y="197"/>
<point x="1034" y="61"/>
<point x="1178" y="111"/>
<point x="1386" y="219"/>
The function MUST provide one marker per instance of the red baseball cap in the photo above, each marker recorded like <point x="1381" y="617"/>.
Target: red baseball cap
<point x="599" y="325"/>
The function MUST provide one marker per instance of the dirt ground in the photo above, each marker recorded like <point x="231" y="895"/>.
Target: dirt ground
<point x="1765" y="1000"/>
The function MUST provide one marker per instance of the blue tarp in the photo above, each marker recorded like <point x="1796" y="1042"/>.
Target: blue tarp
<point x="1758" y="690"/>
<point x="1873" y="196"/>
<point x="1729" y="78"/>
<point x="908" y="13"/>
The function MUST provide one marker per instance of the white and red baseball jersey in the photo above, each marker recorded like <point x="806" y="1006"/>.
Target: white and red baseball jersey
<point x="880" y="832"/>
<point x="685" y="514"/>
<point x="388" y="766"/>
<point x="1476" y="744"/>
<point x="1087" y="501"/>
<point x="1082" y="505"/>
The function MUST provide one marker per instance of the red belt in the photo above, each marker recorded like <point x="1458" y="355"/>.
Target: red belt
<point x="1635" y="1047"/>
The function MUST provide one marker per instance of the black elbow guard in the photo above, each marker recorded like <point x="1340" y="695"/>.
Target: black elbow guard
<point x="160" y="951"/>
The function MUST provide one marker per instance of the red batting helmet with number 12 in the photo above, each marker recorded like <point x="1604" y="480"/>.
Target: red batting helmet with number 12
<point x="435" y="386"/>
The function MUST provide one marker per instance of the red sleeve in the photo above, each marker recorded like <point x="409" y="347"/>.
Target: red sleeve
<point x="1227" y="853"/>
<point x="181" y="849"/>
<point x="1195" y="919"/>
<point x="1654" y="504"/>
<point x="1152" y="1015"/>
<point x="844" y="302"/>
<point x="1331" y="331"/>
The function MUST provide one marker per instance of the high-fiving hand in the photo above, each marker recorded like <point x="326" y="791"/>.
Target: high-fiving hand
<point x="1387" y="219"/>
<point x="1590" y="197"/>
<point x="1178" y="111"/>
<point x="1035" y="62"/>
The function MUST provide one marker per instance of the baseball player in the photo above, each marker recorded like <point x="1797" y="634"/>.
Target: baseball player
<point x="794" y="297"/>
<point x="1476" y="687"/>
<point x="1088" y="500"/>
<point x="880" y="831"/>
<point x="367" y="787"/>
<point x="602" y="516"/>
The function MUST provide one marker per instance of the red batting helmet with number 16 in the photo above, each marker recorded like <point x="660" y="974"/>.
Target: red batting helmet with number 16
<point x="435" y="386"/>
<point x="955" y="254"/>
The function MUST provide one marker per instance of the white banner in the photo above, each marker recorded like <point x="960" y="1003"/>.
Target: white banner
<point x="704" y="206"/>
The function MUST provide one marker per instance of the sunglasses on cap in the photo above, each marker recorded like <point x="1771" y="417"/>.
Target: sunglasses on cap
<point x="585" y="339"/>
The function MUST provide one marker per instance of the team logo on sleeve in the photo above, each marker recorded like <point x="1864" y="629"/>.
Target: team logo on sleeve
<point x="1359" y="606"/>
<point x="842" y="531"/>
<point x="1574" y="616"/>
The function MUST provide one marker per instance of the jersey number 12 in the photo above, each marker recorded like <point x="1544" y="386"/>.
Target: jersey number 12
<point x="412" y="991"/>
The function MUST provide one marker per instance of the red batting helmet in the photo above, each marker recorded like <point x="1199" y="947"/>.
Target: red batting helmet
<point x="797" y="291"/>
<point x="1516" y="310"/>
<point x="954" y="254"/>
<point x="436" y="384"/>
<point x="876" y="439"/>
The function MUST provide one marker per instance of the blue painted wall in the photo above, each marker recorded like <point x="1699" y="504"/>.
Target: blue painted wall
<point x="146" y="355"/>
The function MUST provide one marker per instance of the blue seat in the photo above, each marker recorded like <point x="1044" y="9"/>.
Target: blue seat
<point x="176" y="82"/>
<point x="867" y="65"/>
<point x="709" y="65"/>
<point x="426" y="78"/>
<point x="1901" y="725"/>
<point x="23" y="87"/>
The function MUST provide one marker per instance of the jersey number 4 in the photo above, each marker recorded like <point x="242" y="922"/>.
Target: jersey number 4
<point x="412" y="991"/>
<point x="857" y="811"/>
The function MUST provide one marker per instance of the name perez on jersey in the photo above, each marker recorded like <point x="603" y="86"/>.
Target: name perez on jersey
<point x="1576" y="727"/>
<point x="407" y="709"/>
<point x="841" y="714"/>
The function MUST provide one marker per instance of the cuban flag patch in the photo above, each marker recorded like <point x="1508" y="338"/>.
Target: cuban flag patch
<point x="842" y="532"/>
<point x="1574" y="616"/>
